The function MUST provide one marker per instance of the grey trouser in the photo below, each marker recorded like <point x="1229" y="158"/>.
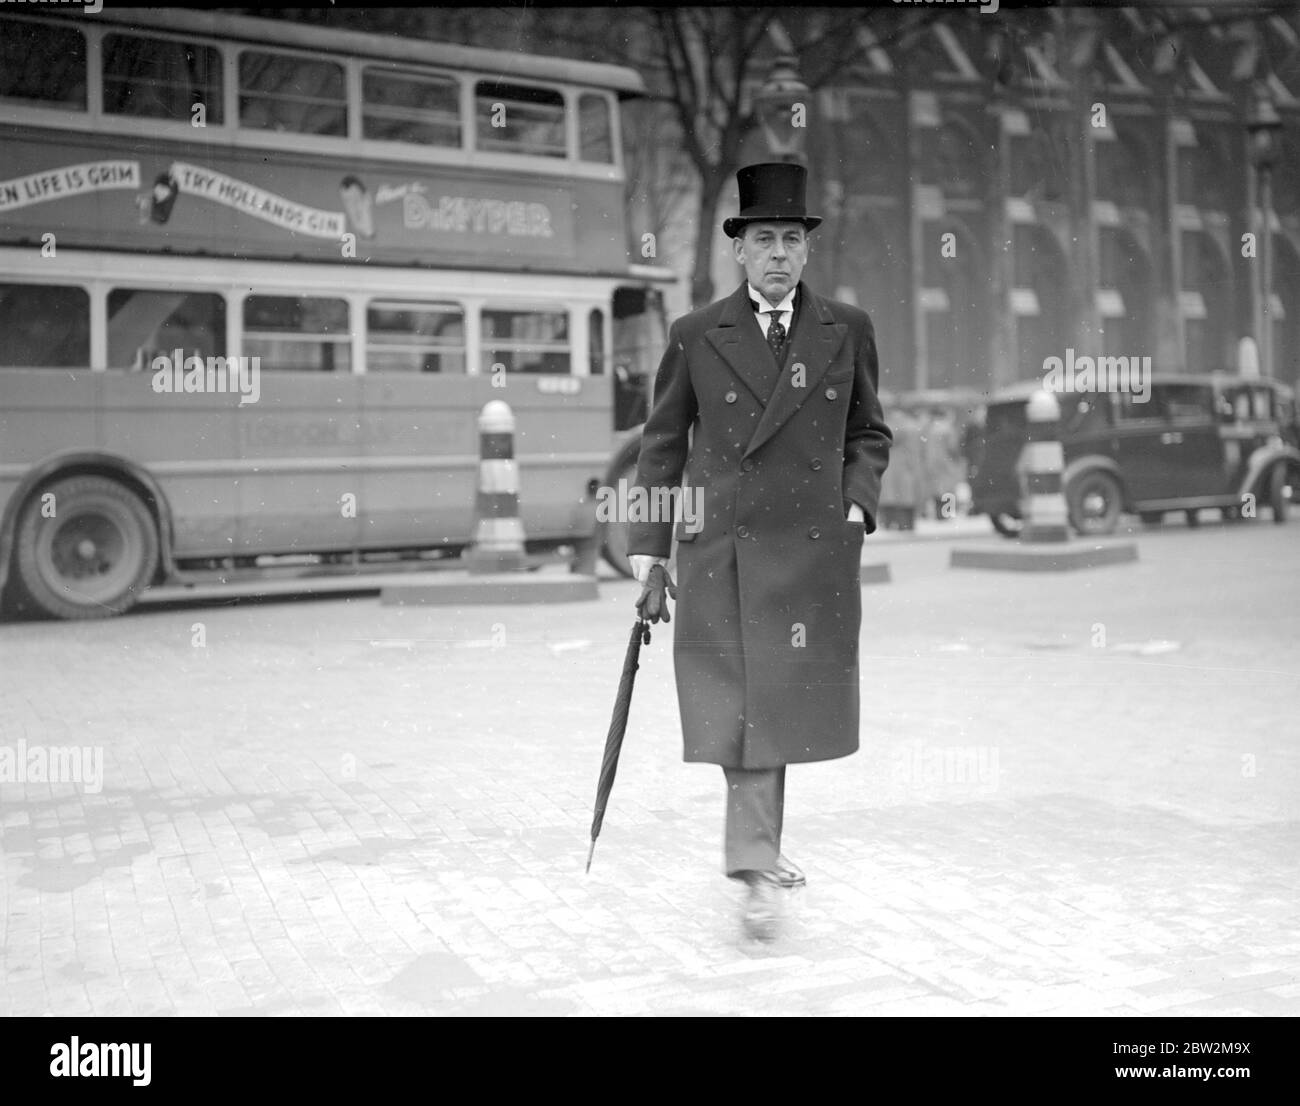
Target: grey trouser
<point x="755" y="810"/>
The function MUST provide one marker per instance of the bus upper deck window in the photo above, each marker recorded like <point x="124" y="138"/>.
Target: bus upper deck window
<point x="44" y="326"/>
<point x="285" y="92"/>
<point x="404" y="107"/>
<point x="595" y="138"/>
<point x="144" y="324"/>
<point x="519" y="119"/>
<point x="161" y="78"/>
<point x="298" y="333"/>
<point x="526" y="341"/>
<point x="415" y="337"/>
<point x="43" y="65"/>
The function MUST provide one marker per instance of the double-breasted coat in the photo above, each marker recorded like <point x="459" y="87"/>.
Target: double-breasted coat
<point x="769" y="595"/>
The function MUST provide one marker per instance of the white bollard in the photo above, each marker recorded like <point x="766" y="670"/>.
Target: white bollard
<point x="1041" y="462"/>
<point x="498" y="531"/>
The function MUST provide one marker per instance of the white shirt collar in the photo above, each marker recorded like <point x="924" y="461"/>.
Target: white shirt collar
<point x="786" y="304"/>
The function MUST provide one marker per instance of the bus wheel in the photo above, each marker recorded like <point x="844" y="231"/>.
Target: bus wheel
<point x="1279" y="493"/>
<point x="613" y="534"/>
<point x="1005" y="524"/>
<point x="86" y="547"/>
<point x="1094" y="501"/>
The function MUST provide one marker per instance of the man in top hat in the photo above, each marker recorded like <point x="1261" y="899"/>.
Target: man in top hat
<point x="766" y="402"/>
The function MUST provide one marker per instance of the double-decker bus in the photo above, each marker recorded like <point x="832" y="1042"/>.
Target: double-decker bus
<point x="257" y="280"/>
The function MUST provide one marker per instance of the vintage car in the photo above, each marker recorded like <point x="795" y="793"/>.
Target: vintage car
<point x="1209" y="441"/>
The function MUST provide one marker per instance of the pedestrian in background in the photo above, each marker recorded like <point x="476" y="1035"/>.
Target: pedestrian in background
<point x="901" y="488"/>
<point x="767" y="402"/>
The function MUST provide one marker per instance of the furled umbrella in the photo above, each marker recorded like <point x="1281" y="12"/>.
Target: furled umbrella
<point x="651" y="607"/>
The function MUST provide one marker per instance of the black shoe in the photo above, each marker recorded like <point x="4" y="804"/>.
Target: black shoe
<point x="761" y="913"/>
<point x="788" y="874"/>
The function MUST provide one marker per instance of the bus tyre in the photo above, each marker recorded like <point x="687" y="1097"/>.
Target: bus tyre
<point x="86" y="547"/>
<point x="613" y="533"/>
<point x="1094" y="500"/>
<point x="1278" y="493"/>
<point x="1006" y="524"/>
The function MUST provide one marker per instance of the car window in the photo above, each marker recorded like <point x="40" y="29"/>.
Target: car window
<point x="1084" y="414"/>
<point x="1005" y="417"/>
<point x="1185" y="402"/>
<point x="1132" y="408"/>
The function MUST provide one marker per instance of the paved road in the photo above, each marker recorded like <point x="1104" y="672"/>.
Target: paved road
<point x="1077" y="795"/>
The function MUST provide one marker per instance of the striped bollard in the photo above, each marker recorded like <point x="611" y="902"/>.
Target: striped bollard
<point x="1042" y="502"/>
<point x="498" y="532"/>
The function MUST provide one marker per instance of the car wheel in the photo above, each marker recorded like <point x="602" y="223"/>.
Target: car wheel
<point x="1153" y="518"/>
<point x="1231" y="514"/>
<point x="1193" y="517"/>
<point x="1094" y="500"/>
<point x="1279" y="493"/>
<point x="94" y="553"/>
<point x="1006" y="524"/>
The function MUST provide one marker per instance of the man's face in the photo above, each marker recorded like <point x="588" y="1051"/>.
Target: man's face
<point x="773" y="255"/>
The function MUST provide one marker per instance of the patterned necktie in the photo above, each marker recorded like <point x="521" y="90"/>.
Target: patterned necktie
<point x="775" y="333"/>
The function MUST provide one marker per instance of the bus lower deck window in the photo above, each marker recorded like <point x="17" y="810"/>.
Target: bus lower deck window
<point x="44" y="326"/>
<point x="526" y="341"/>
<point x="415" y="337"/>
<point x="298" y="333"/>
<point x="143" y="324"/>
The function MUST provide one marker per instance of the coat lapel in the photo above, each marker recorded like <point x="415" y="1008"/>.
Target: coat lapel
<point x="816" y="340"/>
<point x="739" y="342"/>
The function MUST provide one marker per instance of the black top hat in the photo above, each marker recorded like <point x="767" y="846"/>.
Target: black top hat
<point x="771" y="191"/>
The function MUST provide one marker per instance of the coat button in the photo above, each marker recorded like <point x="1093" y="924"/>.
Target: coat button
<point x="815" y="464"/>
<point x="831" y="393"/>
<point x="731" y="397"/>
<point x="746" y="466"/>
<point x="814" y="533"/>
<point x="742" y="531"/>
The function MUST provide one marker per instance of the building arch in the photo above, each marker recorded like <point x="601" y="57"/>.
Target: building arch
<point x="1286" y="324"/>
<point x="955" y="307"/>
<point x="1126" y="271"/>
<point x="1040" y="298"/>
<point x="1208" y="298"/>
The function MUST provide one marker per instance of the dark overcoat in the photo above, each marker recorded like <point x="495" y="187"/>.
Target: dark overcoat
<point x="769" y="601"/>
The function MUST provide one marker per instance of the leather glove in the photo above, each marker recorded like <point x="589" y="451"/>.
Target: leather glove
<point x="641" y="564"/>
<point x="659" y="587"/>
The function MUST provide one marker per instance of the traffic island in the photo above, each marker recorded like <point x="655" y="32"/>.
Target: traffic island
<point x="463" y="589"/>
<point x="877" y="573"/>
<point x="1044" y="557"/>
<point x="1044" y="544"/>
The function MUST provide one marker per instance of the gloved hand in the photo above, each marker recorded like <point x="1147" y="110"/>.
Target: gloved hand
<point x="659" y="587"/>
<point x="641" y="565"/>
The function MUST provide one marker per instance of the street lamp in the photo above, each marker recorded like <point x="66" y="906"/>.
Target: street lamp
<point x="782" y="109"/>
<point x="1263" y="126"/>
